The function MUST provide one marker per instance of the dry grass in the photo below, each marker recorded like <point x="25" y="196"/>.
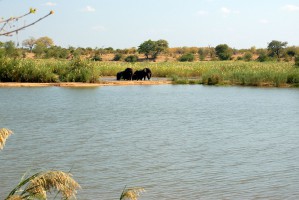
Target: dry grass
<point x="4" y="134"/>
<point x="131" y="193"/>
<point x="15" y="197"/>
<point x="53" y="180"/>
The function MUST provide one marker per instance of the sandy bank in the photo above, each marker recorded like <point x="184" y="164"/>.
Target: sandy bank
<point x="79" y="84"/>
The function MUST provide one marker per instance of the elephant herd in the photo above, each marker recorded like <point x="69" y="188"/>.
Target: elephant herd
<point x="128" y="74"/>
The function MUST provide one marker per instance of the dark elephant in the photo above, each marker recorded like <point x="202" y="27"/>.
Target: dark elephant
<point x="126" y="75"/>
<point x="142" y="74"/>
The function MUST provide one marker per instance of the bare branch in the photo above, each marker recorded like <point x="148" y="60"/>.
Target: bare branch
<point x="23" y="27"/>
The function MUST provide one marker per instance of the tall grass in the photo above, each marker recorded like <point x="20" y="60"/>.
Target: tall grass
<point x="215" y="72"/>
<point x="211" y="73"/>
<point x="41" y="71"/>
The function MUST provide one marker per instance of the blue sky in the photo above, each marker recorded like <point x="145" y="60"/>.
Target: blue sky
<point x="128" y="23"/>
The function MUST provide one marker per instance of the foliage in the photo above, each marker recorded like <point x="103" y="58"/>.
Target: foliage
<point x="131" y="58"/>
<point x="56" y="52"/>
<point x="188" y="57"/>
<point x="297" y="61"/>
<point x="275" y="48"/>
<point x="153" y="48"/>
<point x="263" y="56"/>
<point x="10" y="50"/>
<point x="247" y="56"/>
<point x="79" y="70"/>
<point x="17" y="70"/>
<point x="118" y="57"/>
<point x="29" y="43"/>
<point x="96" y="57"/>
<point x="223" y="51"/>
<point x="44" y="41"/>
<point x="202" y="52"/>
<point x="228" y="72"/>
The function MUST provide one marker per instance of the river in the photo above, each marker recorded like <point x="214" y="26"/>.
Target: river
<point x="176" y="141"/>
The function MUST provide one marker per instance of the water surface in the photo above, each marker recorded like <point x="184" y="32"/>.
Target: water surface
<point x="178" y="142"/>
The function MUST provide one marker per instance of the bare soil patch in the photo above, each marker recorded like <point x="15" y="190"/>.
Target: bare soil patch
<point x="105" y="81"/>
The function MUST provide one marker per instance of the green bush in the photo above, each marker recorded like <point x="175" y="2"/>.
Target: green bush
<point x="247" y="56"/>
<point x="188" y="57"/>
<point x="117" y="57"/>
<point x="223" y="52"/>
<point x="131" y="58"/>
<point x="18" y="70"/>
<point x="80" y="71"/>
<point x="263" y="57"/>
<point x="96" y="58"/>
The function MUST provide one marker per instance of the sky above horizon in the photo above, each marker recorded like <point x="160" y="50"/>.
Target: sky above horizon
<point x="125" y="24"/>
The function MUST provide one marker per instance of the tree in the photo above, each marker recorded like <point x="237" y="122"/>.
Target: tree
<point x="223" y="51"/>
<point x="41" y="45"/>
<point x="147" y="48"/>
<point x="29" y="43"/>
<point x="275" y="48"/>
<point x="247" y="56"/>
<point x="44" y="41"/>
<point x="153" y="48"/>
<point x="161" y="46"/>
<point x="8" y="27"/>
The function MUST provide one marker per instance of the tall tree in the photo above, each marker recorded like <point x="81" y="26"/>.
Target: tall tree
<point x="153" y="48"/>
<point x="275" y="48"/>
<point x="45" y="41"/>
<point x="29" y="43"/>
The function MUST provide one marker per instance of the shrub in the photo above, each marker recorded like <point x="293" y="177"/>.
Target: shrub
<point x="263" y="57"/>
<point x="297" y="61"/>
<point x="131" y="58"/>
<point x="223" y="51"/>
<point x="96" y="58"/>
<point x="188" y="57"/>
<point x="247" y="56"/>
<point x="79" y="71"/>
<point x="117" y="57"/>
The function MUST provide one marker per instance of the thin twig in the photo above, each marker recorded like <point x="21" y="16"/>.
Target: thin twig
<point x="16" y="30"/>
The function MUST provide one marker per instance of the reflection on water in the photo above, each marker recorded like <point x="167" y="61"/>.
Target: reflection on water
<point x="179" y="142"/>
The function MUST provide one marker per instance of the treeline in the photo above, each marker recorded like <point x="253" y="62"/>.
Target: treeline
<point x="151" y="51"/>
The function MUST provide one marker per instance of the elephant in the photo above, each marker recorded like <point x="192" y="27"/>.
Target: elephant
<point x="126" y="74"/>
<point x="142" y="74"/>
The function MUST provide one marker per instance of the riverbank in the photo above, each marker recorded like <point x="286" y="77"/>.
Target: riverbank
<point x="80" y="84"/>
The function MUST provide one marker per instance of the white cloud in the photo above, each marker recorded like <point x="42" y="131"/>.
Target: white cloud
<point x="290" y="8"/>
<point x="50" y="4"/>
<point x="202" y="12"/>
<point x="225" y="10"/>
<point x="98" y="28"/>
<point x="88" y="9"/>
<point x="264" y="21"/>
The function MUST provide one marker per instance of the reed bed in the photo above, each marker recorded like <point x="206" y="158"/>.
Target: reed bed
<point x="277" y="74"/>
